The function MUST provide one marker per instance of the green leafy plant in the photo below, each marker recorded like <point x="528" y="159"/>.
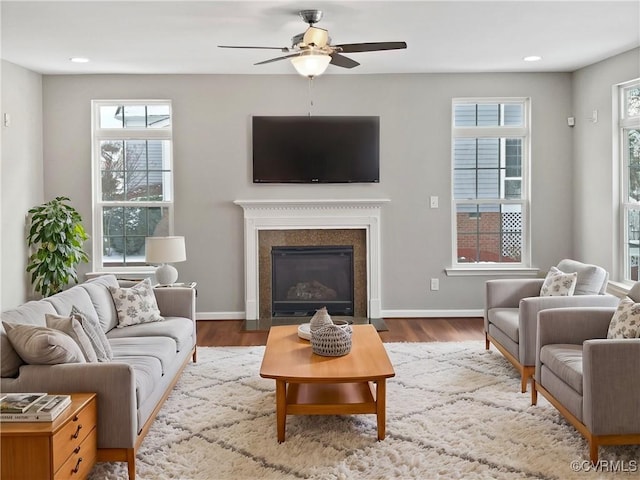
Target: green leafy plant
<point x="56" y="237"/>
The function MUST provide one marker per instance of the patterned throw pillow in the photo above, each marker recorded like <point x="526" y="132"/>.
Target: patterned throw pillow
<point x="558" y="283"/>
<point x="626" y="321"/>
<point x="96" y="335"/>
<point x="136" y="305"/>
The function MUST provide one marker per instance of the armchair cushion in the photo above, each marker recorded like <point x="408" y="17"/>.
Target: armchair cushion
<point x="626" y="321"/>
<point x="558" y="283"/>
<point x="592" y="280"/>
<point x="565" y="361"/>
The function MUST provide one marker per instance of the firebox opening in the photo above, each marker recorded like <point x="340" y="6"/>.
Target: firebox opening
<point x="305" y="279"/>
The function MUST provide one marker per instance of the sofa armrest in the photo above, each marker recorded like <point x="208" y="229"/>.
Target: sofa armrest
<point x="113" y="382"/>
<point x="176" y="301"/>
<point x="611" y="386"/>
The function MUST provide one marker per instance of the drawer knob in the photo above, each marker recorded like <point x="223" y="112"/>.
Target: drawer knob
<point x="75" y="435"/>
<point x="77" y="467"/>
<point x="76" y="450"/>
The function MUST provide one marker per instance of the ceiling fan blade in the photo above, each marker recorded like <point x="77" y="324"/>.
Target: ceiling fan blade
<point x="282" y="49"/>
<point x="316" y="36"/>
<point x="342" y="61"/>
<point x="277" y="59"/>
<point x="370" y="46"/>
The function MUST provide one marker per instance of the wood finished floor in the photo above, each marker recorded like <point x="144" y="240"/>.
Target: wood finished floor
<point x="225" y="333"/>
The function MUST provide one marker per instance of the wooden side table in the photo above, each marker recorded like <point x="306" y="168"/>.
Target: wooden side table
<point x="63" y="449"/>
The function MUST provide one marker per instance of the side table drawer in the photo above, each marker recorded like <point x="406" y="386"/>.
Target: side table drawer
<point x="71" y="435"/>
<point x="82" y="459"/>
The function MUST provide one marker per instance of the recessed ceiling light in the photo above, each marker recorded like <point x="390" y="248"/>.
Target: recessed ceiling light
<point x="79" y="59"/>
<point x="532" y="58"/>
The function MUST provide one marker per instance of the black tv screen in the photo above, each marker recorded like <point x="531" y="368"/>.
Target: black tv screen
<point x="322" y="149"/>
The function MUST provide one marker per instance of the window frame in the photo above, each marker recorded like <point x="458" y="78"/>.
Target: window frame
<point x="98" y="135"/>
<point x="621" y="154"/>
<point x="523" y="132"/>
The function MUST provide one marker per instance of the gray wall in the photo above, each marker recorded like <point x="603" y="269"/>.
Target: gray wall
<point x="21" y="177"/>
<point x="596" y="190"/>
<point x="212" y="167"/>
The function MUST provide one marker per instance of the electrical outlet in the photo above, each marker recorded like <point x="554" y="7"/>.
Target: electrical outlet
<point x="433" y="201"/>
<point x="435" y="284"/>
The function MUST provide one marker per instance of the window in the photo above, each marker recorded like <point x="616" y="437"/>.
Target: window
<point x="629" y="134"/>
<point x="490" y="142"/>
<point x="132" y="180"/>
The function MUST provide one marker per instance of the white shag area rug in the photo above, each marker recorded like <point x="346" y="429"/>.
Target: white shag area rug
<point x="454" y="411"/>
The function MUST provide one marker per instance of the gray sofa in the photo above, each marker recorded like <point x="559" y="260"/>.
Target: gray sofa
<point x="512" y="306"/>
<point x="147" y="361"/>
<point x="592" y="381"/>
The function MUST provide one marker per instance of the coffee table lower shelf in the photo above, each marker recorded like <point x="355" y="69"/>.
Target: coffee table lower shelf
<point x="347" y="398"/>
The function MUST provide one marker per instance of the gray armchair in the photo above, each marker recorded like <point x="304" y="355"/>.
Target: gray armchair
<point x="592" y="381"/>
<point x="512" y="306"/>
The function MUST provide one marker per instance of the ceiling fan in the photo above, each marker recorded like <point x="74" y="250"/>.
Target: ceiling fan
<point x="311" y="51"/>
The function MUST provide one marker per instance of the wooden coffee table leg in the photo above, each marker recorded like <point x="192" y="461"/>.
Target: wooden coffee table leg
<point x="281" y="408"/>
<point x="381" y="395"/>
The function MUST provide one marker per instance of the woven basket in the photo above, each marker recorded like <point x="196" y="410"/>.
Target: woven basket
<point x="331" y="340"/>
<point x="320" y="319"/>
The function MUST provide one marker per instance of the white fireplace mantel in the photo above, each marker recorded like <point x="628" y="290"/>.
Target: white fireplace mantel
<point x="311" y="214"/>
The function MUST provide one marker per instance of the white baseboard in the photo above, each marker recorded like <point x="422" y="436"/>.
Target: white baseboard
<point x="385" y="314"/>
<point x="220" y="316"/>
<point x="431" y="313"/>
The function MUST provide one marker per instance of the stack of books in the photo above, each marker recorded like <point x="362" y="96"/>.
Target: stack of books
<point x="32" y="407"/>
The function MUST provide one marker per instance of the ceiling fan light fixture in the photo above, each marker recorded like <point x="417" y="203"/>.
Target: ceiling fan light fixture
<point x="311" y="64"/>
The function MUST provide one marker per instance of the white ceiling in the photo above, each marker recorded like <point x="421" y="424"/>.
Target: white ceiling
<point x="442" y="36"/>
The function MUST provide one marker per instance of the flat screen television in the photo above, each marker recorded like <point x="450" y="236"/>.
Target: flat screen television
<point x="322" y="149"/>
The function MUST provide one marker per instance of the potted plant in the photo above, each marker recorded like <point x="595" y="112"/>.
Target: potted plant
<point x="56" y="237"/>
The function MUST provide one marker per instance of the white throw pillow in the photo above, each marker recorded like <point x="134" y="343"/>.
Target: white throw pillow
<point x="558" y="284"/>
<point x="38" y="345"/>
<point x="73" y="328"/>
<point x="136" y="305"/>
<point x="626" y="321"/>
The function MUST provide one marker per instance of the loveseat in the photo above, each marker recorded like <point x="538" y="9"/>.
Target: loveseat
<point x="147" y="359"/>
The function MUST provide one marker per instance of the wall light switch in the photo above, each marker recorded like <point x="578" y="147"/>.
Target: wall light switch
<point x="433" y="201"/>
<point x="6" y="118"/>
<point x="435" y="284"/>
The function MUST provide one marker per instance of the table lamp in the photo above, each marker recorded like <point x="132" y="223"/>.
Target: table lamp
<point x="165" y="250"/>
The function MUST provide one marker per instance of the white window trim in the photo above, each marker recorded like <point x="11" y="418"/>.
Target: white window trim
<point x="99" y="134"/>
<point x="621" y="162"/>
<point x="523" y="267"/>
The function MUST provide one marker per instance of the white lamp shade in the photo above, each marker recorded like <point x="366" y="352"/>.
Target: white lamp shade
<point x="311" y="64"/>
<point x="165" y="250"/>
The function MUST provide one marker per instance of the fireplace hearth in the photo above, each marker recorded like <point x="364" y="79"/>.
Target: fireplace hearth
<point x="306" y="278"/>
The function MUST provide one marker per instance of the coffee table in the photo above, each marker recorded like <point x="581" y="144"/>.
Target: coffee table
<point x="310" y="384"/>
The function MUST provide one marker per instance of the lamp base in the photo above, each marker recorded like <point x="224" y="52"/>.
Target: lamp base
<point x="166" y="274"/>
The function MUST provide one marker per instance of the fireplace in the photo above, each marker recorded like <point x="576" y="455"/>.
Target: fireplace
<point x="308" y="221"/>
<point x="306" y="278"/>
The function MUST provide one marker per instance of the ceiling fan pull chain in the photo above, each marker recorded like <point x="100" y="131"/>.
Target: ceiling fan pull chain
<point x="310" y="90"/>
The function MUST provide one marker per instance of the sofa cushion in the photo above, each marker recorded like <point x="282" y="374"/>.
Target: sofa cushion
<point x="178" y="328"/>
<point x="96" y="335"/>
<point x="76" y="296"/>
<point x="136" y="305"/>
<point x="162" y="348"/>
<point x="148" y="372"/>
<point x="31" y="313"/>
<point x="625" y="322"/>
<point x="558" y="283"/>
<point x="43" y="345"/>
<point x="98" y="290"/>
<point x="506" y="319"/>
<point x="565" y="361"/>
<point x="592" y="280"/>
<point x="73" y="328"/>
